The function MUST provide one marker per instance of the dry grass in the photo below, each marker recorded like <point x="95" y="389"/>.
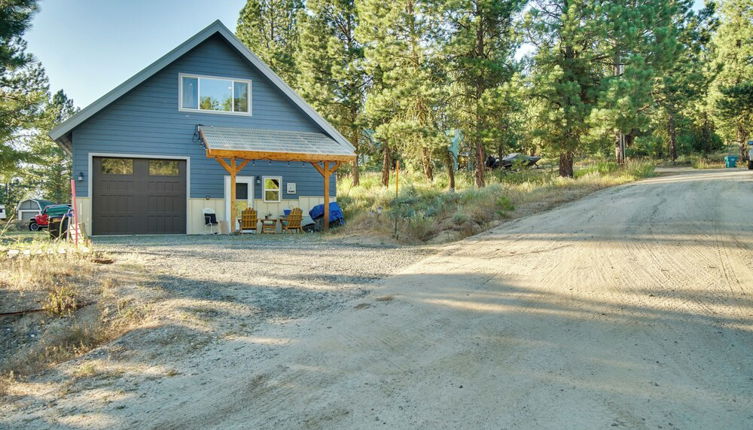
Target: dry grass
<point x="713" y="160"/>
<point x="427" y="212"/>
<point x="83" y="305"/>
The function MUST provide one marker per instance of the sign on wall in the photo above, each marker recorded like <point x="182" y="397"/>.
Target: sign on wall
<point x="291" y="187"/>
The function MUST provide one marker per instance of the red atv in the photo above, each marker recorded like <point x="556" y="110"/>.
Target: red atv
<point x="43" y="220"/>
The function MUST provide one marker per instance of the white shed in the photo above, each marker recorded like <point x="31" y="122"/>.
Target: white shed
<point x="29" y="208"/>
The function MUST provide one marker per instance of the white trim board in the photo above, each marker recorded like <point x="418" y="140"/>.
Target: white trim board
<point x="226" y="194"/>
<point x="90" y="174"/>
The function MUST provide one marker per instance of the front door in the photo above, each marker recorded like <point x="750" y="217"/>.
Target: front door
<point x="244" y="195"/>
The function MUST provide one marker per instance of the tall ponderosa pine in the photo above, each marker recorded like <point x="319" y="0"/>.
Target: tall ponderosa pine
<point x="640" y="46"/>
<point x="570" y="39"/>
<point x="399" y="46"/>
<point x="269" y="29"/>
<point x="49" y="170"/>
<point x="23" y="84"/>
<point x="732" y="91"/>
<point x="684" y="85"/>
<point x="480" y="45"/>
<point x="330" y="66"/>
<point x="508" y="102"/>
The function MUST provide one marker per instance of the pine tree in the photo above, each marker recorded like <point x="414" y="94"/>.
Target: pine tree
<point x="508" y="102"/>
<point x="269" y="29"/>
<point x="733" y="56"/>
<point x="49" y="171"/>
<point x="330" y="66"/>
<point x="23" y="84"/>
<point x="640" y="46"/>
<point x="683" y="87"/>
<point x="399" y="40"/>
<point x="480" y="44"/>
<point x="570" y="40"/>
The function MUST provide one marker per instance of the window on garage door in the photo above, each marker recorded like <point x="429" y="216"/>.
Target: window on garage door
<point x="117" y="166"/>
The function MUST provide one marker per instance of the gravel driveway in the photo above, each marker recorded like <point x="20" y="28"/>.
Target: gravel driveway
<point x="214" y="303"/>
<point x="272" y="276"/>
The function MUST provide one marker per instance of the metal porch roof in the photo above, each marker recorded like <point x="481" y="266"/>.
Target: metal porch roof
<point x="257" y="143"/>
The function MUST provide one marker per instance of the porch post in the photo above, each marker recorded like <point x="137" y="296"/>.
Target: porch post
<point x="233" y="168"/>
<point x="326" y="170"/>
<point x="233" y="173"/>
<point x="326" y="196"/>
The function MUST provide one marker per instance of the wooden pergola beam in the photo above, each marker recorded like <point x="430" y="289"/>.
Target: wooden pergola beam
<point x="237" y="160"/>
<point x="277" y="156"/>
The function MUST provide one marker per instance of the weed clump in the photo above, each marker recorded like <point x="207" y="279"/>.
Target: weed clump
<point x="61" y="301"/>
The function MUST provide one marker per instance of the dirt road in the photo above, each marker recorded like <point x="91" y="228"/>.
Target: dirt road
<point x="630" y="308"/>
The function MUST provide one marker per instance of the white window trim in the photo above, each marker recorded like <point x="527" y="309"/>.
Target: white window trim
<point x="224" y="78"/>
<point x="264" y="189"/>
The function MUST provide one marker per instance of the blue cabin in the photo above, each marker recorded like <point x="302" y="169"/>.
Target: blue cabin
<point x="206" y="128"/>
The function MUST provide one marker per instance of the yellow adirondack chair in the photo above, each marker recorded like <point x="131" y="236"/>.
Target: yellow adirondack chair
<point x="293" y="221"/>
<point x="249" y="220"/>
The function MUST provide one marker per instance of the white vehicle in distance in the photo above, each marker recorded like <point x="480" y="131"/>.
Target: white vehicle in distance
<point x="2" y="213"/>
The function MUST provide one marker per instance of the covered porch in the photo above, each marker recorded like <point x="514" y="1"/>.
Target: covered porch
<point x="235" y="148"/>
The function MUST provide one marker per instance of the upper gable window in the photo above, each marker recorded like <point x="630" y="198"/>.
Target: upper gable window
<point x="215" y="95"/>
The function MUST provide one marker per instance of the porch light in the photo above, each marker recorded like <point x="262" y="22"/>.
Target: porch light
<point x="80" y="177"/>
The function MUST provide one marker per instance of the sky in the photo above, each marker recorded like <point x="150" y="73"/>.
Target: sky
<point x="88" y="47"/>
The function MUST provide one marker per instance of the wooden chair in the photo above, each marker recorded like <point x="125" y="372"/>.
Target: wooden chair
<point x="293" y="221"/>
<point x="249" y="220"/>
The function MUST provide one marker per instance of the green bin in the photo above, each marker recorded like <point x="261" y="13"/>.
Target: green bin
<point x="730" y="161"/>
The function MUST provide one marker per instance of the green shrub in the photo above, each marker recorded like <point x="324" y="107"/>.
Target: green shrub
<point x="505" y="204"/>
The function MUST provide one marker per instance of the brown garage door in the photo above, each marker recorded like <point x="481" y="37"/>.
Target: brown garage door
<point x="138" y="196"/>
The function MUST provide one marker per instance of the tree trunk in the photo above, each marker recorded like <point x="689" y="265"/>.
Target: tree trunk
<point x="354" y="171"/>
<point x="449" y="162"/>
<point x="672" y="130"/>
<point x="386" y="165"/>
<point x="479" y="91"/>
<point x="619" y="149"/>
<point x="566" y="165"/>
<point x="742" y="136"/>
<point x="480" y="165"/>
<point x="426" y="161"/>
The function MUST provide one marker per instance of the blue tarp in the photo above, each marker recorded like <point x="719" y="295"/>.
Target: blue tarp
<point x="335" y="213"/>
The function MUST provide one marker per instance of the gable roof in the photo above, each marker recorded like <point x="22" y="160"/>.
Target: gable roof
<point x="61" y="132"/>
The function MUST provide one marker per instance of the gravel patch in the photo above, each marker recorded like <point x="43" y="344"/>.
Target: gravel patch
<point x="267" y="277"/>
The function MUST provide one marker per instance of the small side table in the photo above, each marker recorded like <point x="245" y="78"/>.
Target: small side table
<point x="269" y="225"/>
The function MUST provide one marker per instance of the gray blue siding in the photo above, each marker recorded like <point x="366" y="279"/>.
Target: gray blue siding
<point x="146" y="121"/>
